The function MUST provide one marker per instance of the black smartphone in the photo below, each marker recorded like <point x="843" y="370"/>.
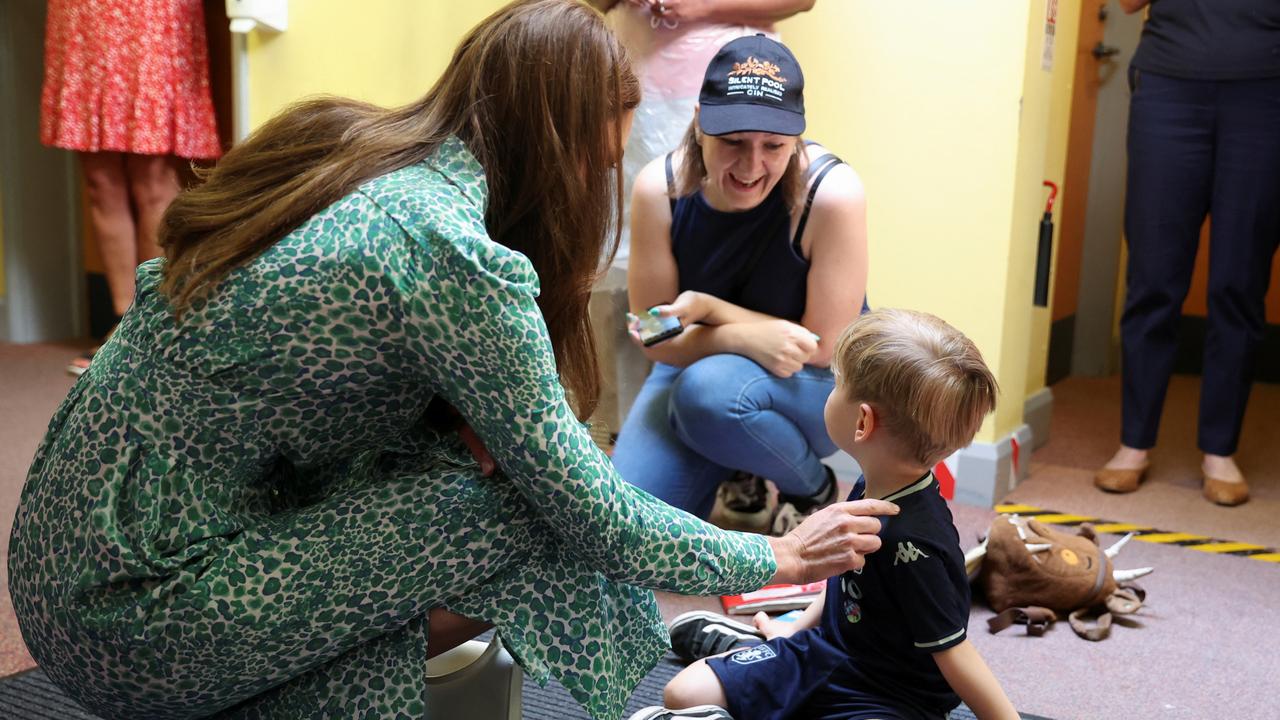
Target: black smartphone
<point x="654" y="330"/>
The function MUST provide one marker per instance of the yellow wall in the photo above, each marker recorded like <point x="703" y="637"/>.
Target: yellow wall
<point x="1061" y="88"/>
<point x="388" y="52"/>
<point x="944" y="111"/>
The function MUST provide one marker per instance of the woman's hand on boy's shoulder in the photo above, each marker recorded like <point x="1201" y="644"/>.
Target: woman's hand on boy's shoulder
<point x="832" y="541"/>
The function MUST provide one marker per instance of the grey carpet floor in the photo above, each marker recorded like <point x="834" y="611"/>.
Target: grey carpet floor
<point x="30" y="696"/>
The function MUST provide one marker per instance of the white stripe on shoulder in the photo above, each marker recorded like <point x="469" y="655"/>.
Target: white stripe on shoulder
<point x="943" y="641"/>
<point x="914" y="487"/>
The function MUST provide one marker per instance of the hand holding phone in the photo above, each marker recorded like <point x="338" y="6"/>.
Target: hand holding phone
<point x="654" y="329"/>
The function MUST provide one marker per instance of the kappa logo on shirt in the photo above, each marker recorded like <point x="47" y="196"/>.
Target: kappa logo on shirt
<point x="753" y="655"/>
<point x="907" y="553"/>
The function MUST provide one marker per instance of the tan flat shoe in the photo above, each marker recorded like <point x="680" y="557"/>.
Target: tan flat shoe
<point x="1222" y="492"/>
<point x="1120" y="480"/>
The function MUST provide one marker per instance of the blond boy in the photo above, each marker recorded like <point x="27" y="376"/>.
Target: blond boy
<point x="887" y="641"/>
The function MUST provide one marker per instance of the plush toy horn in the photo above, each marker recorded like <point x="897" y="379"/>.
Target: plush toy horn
<point x="973" y="560"/>
<point x="1122" y="576"/>
<point x="1115" y="549"/>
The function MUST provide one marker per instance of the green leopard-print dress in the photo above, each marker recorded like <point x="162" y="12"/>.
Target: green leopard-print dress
<point x="242" y="514"/>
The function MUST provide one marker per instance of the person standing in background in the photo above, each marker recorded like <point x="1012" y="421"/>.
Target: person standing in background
<point x="1204" y="139"/>
<point x="671" y="42"/>
<point x="126" y="86"/>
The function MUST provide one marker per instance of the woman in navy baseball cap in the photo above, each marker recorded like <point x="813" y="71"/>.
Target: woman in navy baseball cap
<point x="757" y="242"/>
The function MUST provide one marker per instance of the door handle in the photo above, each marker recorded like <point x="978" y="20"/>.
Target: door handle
<point x="1102" y="51"/>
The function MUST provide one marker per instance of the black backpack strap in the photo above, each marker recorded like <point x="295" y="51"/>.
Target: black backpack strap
<point x="820" y="164"/>
<point x="818" y="170"/>
<point x="1037" y="619"/>
<point x="671" y="184"/>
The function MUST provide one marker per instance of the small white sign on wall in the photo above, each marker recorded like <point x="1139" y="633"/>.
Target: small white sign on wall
<point x="1050" y="26"/>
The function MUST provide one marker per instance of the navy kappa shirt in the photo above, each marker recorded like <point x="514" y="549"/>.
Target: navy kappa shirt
<point x="910" y="600"/>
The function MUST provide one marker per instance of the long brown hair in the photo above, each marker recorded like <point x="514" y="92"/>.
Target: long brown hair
<point x="536" y="91"/>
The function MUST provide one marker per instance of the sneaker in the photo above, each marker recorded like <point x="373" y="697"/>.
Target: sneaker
<point x="701" y="712"/>
<point x="744" y="500"/>
<point x="700" y="634"/>
<point x="793" y="509"/>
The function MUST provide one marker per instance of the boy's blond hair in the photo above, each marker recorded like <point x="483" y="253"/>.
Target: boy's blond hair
<point x="926" y="380"/>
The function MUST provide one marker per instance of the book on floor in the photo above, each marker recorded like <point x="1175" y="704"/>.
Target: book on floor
<point x="773" y="598"/>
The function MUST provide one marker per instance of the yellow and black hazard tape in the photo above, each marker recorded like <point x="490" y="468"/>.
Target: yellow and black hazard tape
<point x="1202" y="543"/>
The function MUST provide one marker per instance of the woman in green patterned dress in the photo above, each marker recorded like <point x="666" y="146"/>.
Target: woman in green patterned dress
<point x="244" y="508"/>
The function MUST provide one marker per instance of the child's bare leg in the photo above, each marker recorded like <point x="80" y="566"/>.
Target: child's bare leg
<point x="693" y="686"/>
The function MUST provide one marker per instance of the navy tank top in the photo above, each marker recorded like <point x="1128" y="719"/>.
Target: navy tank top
<point x="747" y="258"/>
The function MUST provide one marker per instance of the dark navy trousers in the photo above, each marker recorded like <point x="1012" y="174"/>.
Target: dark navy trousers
<point x="1198" y="147"/>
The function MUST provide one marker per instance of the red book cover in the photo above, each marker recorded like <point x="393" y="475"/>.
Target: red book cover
<point x="773" y="598"/>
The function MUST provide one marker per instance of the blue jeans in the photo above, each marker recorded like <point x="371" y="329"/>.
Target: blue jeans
<point x="691" y="428"/>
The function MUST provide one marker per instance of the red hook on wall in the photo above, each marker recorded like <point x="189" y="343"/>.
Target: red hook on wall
<point x="1053" y="195"/>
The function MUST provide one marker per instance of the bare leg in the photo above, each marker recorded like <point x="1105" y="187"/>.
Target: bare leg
<point x="448" y="631"/>
<point x="111" y="219"/>
<point x="1222" y="467"/>
<point x="693" y="686"/>
<point x="153" y="183"/>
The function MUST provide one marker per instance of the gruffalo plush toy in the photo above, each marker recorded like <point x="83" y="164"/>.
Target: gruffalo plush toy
<point x="1032" y="575"/>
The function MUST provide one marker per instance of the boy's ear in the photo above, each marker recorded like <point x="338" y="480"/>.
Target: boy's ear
<point x="867" y="422"/>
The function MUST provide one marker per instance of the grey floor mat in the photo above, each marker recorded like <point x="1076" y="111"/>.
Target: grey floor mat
<point x="30" y="696"/>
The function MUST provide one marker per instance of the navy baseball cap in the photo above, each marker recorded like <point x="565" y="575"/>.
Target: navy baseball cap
<point x="753" y="84"/>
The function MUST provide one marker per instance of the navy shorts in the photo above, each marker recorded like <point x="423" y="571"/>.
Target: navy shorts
<point x="802" y="676"/>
